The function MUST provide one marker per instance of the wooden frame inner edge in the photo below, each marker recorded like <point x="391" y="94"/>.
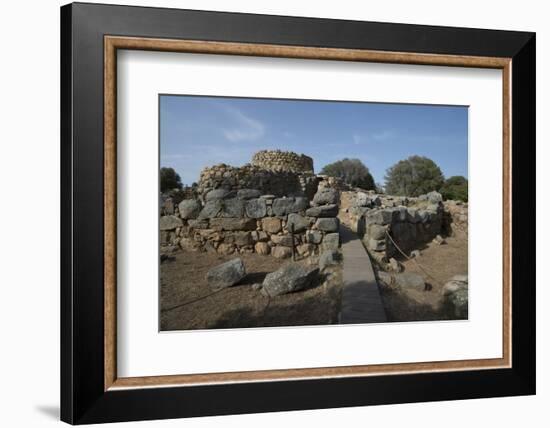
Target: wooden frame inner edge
<point x="112" y="43"/>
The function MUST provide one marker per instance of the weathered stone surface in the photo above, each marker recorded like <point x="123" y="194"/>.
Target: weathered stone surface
<point x="289" y="278"/>
<point x="232" y="208"/>
<point x="386" y="278"/>
<point x="361" y="199"/>
<point x="242" y="238"/>
<point x="281" y="252"/>
<point x="226" y="274"/>
<point x="211" y="209"/>
<point x="331" y="241"/>
<point x="218" y="194"/>
<point x="328" y="224"/>
<point x="434" y="197"/>
<point x="198" y="224"/>
<point x="284" y="240"/>
<point x="326" y="196"/>
<point x="457" y="282"/>
<point x="314" y="236"/>
<point x="168" y="206"/>
<point x="297" y="221"/>
<point x="170" y="222"/>
<point x="248" y="194"/>
<point x="377" y="231"/>
<point x="233" y="223"/>
<point x="284" y="206"/>
<point x="256" y="208"/>
<point x="323" y="211"/>
<point x="376" y="244"/>
<point x="395" y="266"/>
<point x="460" y="278"/>
<point x="408" y="280"/>
<point x="305" y="249"/>
<point x="271" y="225"/>
<point x="455" y="297"/>
<point x="189" y="208"/>
<point x="381" y="216"/>
<point x="412" y="215"/>
<point x="262" y="248"/>
<point x="329" y="258"/>
<point x="400" y="213"/>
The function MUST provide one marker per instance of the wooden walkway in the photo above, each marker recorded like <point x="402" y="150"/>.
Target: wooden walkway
<point x="361" y="301"/>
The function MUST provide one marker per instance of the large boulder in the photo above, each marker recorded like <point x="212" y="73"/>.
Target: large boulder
<point x="323" y="211"/>
<point x="361" y="199"/>
<point x="326" y="196"/>
<point x="226" y="274"/>
<point x="300" y="223"/>
<point x="377" y="231"/>
<point x="211" y="209"/>
<point x="256" y="208"/>
<point x="410" y="280"/>
<point x="289" y="278"/>
<point x="231" y="208"/>
<point x="328" y="224"/>
<point x="284" y="206"/>
<point x="189" y="208"/>
<point x="434" y="197"/>
<point x="218" y="194"/>
<point x="170" y="222"/>
<point x="455" y="297"/>
<point x="331" y="241"/>
<point x="329" y="258"/>
<point x="248" y="194"/>
<point x="379" y="216"/>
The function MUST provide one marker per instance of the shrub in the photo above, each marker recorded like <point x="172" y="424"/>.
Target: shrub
<point x="169" y="180"/>
<point x="352" y="172"/>
<point x="455" y="188"/>
<point x="413" y="176"/>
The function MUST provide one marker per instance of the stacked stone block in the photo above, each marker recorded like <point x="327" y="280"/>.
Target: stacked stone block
<point x="247" y="221"/>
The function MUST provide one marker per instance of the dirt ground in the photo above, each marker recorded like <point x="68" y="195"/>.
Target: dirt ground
<point x="187" y="302"/>
<point x="440" y="263"/>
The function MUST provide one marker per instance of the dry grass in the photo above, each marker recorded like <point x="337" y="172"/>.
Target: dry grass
<point x="187" y="302"/>
<point x="441" y="262"/>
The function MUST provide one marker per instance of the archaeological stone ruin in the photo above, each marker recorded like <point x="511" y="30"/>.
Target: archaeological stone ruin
<point x="277" y="206"/>
<point x="274" y="205"/>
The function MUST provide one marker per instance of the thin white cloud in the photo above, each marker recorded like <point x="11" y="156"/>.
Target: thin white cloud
<point x="382" y="136"/>
<point x="245" y="128"/>
<point x="358" y="139"/>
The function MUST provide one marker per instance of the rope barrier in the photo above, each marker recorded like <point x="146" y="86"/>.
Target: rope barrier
<point x="413" y="259"/>
<point x="192" y="301"/>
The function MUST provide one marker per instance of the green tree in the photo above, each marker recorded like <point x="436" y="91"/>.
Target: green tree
<point x="413" y="176"/>
<point x="169" y="180"/>
<point x="455" y="188"/>
<point x="352" y="171"/>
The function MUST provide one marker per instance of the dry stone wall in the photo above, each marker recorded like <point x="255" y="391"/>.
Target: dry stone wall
<point x="247" y="221"/>
<point x="278" y="183"/>
<point x="409" y="222"/>
<point x="277" y="160"/>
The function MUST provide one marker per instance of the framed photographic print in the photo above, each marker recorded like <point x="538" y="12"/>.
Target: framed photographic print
<point x="265" y="213"/>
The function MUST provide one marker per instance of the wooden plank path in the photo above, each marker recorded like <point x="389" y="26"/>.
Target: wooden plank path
<point x="361" y="301"/>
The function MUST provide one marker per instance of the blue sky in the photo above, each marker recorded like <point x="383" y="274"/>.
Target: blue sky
<point x="196" y="132"/>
